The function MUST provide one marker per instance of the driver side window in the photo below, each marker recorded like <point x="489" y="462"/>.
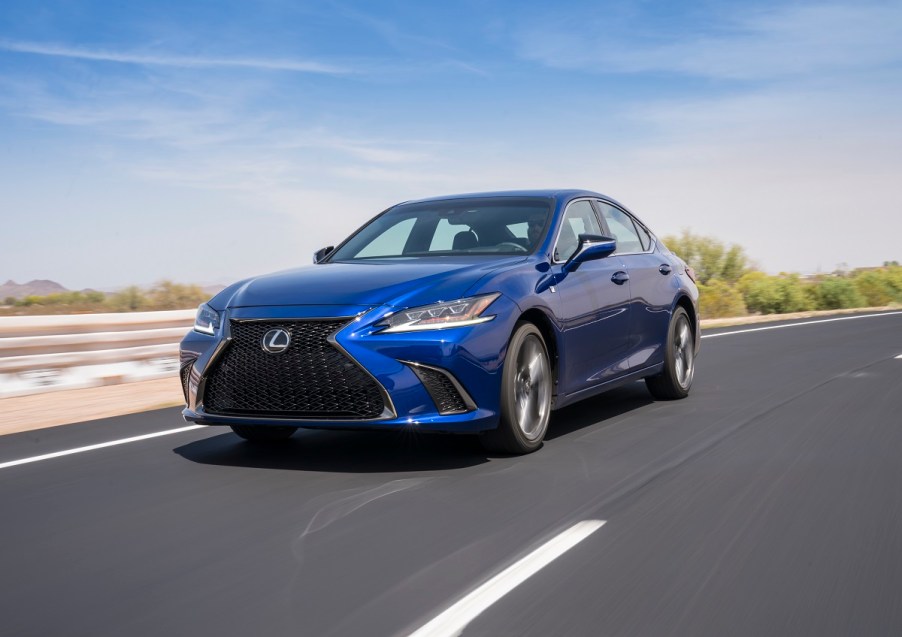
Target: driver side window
<point x="579" y="219"/>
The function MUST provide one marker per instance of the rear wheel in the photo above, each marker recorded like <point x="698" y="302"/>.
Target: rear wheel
<point x="526" y="385"/>
<point x="254" y="433"/>
<point x="675" y="379"/>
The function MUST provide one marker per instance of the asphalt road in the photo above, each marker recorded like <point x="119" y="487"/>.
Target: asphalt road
<point x="769" y="502"/>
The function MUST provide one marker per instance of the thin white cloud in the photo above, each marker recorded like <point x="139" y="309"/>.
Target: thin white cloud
<point x="781" y="42"/>
<point x="182" y="61"/>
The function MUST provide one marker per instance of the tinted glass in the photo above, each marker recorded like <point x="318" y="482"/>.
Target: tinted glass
<point x="498" y="225"/>
<point x="622" y="229"/>
<point x="579" y="219"/>
<point x="644" y="236"/>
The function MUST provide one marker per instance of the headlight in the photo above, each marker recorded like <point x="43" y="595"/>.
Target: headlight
<point x="440" y="315"/>
<point x="207" y="319"/>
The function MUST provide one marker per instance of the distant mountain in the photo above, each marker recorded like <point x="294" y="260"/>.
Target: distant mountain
<point x="32" y="288"/>
<point x="44" y="287"/>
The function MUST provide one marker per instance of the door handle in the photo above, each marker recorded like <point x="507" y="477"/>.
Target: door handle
<point x="620" y="277"/>
<point x="664" y="269"/>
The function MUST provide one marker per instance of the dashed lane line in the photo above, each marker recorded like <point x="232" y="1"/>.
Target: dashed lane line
<point x="452" y="621"/>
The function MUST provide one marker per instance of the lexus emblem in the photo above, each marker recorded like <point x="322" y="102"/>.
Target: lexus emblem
<point x="276" y="341"/>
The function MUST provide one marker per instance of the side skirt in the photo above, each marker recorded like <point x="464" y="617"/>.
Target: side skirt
<point x="568" y="399"/>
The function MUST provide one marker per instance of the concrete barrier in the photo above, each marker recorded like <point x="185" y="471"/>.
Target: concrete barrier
<point x="46" y="353"/>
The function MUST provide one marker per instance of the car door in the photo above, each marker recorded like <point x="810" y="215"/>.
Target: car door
<point x="651" y="285"/>
<point x="594" y="306"/>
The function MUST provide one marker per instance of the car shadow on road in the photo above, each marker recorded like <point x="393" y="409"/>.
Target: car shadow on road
<point x="397" y="451"/>
<point x="598" y="411"/>
<point x="341" y="452"/>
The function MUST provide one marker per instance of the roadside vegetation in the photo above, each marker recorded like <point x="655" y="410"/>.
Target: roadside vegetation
<point x="165" y="295"/>
<point x="731" y="285"/>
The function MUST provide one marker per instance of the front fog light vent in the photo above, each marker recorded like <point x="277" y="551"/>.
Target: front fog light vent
<point x="185" y="374"/>
<point x="446" y="392"/>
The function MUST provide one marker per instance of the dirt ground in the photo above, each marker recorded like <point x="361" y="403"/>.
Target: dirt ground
<point x="24" y="413"/>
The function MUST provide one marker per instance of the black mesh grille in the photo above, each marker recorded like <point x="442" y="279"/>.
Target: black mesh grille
<point x="185" y="373"/>
<point x="311" y="379"/>
<point x="442" y="390"/>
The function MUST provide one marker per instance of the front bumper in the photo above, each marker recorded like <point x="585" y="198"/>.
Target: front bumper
<point x="473" y="357"/>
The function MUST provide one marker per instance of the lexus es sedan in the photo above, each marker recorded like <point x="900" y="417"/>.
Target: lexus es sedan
<point x="476" y="313"/>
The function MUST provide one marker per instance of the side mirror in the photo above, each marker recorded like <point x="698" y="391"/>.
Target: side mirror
<point x="322" y="253"/>
<point x="591" y="247"/>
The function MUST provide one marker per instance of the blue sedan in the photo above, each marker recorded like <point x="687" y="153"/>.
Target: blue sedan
<point x="463" y="314"/>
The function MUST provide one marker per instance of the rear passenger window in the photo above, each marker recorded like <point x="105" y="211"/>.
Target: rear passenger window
<point x="644" y="237"/>
<point x="623" y="229"/>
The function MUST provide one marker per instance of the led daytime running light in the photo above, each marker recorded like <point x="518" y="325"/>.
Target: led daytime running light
<point x="207" y="320"/>
<point x="456" y="313"/>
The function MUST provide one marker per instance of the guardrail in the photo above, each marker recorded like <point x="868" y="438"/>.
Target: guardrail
<point x="46" y="353"/>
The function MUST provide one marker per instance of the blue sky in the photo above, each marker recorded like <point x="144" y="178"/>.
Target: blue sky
<point x="207" y="141"/>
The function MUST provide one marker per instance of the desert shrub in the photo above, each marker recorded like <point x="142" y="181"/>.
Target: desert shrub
<point x="718" y="299"/>
<point x="130" y="299"/>
<point x="836" y="293"/>
<point x="774" y="294"/>
<point x="167" y="295"/>
<point x="880" y="287"/>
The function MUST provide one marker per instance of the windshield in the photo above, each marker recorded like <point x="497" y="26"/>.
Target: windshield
<point x="497" y="225"/>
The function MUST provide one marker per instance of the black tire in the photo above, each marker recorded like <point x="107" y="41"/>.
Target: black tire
<point x="675" y="380"/>
<point x="526" y="388"/>
<point x="263" y="433"/>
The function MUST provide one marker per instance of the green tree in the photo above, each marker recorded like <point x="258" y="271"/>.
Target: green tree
<point x="709" y="257"/>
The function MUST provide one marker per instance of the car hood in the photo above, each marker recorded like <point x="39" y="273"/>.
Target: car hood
<point x="397" y="283"/>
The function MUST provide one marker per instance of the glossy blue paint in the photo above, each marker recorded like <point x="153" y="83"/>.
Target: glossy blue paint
<point x="604" y="332"/>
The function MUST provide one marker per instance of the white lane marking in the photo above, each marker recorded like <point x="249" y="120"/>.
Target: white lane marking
<point x="453" y="621"/>
<point x="777" y="327"/>
<point x="899" y="356"/>
<point x="112" y="443"/>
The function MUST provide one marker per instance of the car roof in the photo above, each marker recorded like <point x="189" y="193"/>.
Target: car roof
<point x="560" y="194"/>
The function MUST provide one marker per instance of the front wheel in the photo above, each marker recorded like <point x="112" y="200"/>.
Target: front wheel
<point x="253" y="433"/>
<point x="526" y="385"/>
<point x="675" y="379"/>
